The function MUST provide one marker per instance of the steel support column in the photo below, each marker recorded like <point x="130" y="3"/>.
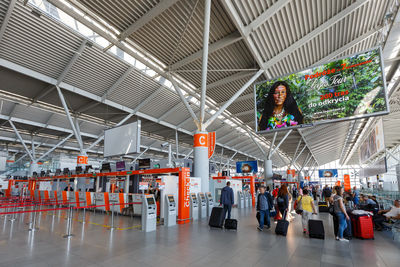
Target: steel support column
<point x="206" y="35"/>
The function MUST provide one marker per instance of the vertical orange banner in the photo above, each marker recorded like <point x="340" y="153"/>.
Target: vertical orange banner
<point x="253" y="190"/>
<point x="184" y="200"/>
<point x="211" y="144"/>
<point x="347" y="185"/>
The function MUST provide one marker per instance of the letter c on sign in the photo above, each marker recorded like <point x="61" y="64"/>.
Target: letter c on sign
<point x="200" y="140"/>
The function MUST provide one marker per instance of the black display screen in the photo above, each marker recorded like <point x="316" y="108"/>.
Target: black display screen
<point x="171" y="199"/>
<point x="194" y="197"/>
<point x="150" y="201"/>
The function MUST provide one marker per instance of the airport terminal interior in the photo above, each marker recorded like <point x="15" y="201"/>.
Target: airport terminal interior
<point x="200" y="133"/>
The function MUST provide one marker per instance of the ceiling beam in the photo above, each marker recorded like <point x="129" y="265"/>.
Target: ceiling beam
<point x="237" y="20"/>
<point x="266" y="15"/>
<point x="235" y="77"/>
<point x="7" y="17"/>
<point x="347" y="46"/>
<point x="143" y="20"/>
<point x="224" y="42"/>
<point x="314" y="33"/>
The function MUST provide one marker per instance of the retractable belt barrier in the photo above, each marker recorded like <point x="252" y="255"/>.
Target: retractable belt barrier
<point x="65" y="208"/>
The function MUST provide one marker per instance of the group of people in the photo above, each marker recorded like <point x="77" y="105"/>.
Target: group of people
<point x="280" y="200"/>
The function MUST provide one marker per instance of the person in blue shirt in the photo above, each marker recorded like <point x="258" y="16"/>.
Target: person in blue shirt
<point x="264" y="205"/>
<point x="227" y="199"/>
<point x="356" y="196"/>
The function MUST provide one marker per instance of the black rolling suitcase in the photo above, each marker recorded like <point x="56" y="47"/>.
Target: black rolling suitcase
<point x="282" y="227"/>
<point x="323" y="206"/>
<point x="316" y="229"/>
<point x="231" y="224"/>
<point x="347" y="233"/>
<point x="217" y="217"/>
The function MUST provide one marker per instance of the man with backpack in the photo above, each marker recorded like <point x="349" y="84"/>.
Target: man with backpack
<point x="227" y="199"/>
<point x="264" y="205"/>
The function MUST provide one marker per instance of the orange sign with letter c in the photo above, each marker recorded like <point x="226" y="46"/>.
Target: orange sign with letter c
<point x="82" y="160"/>
<point x="201" y="140"/>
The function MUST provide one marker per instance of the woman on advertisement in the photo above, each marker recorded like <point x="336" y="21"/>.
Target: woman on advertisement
<point x="280" y="108"/>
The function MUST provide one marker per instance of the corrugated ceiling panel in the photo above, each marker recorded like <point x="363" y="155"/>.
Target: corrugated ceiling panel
<point x="160" y="104"/>
<point x="134" y="89"/>
<point x="120" y="14"/>
<point x="37" y="43"/>
<point x="95" y="71"/>
<point x="161" y="36"/>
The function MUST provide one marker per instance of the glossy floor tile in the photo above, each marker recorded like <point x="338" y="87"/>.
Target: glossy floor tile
<point x="195" y="244"/>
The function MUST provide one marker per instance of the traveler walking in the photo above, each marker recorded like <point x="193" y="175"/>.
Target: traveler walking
<point x="264" y="205"/>
<point x="227" y="199"/>
<point x="283" y="201"/>
<point x="307" y="205"/>
<point x="340" y="212"/>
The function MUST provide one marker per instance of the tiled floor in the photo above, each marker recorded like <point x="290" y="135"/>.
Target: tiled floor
<point x="188" y="245"/>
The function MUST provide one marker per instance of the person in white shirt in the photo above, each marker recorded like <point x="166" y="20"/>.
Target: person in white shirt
<point x="387" y="215"/>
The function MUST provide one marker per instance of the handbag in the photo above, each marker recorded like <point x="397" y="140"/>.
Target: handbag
<point x="299" y="206"/>
<point x="331" y="210"/>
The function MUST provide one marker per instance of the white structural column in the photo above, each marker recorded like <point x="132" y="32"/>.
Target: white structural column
<point x="200" y="142"/>
<point x="77" y="135"/>
<point x="206" y="33"/>
<point x="21" y="140"/>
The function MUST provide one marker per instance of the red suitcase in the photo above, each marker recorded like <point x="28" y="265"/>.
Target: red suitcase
<point x="363" y="227"/>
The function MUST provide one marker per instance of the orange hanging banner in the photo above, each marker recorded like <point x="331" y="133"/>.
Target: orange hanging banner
<point x="211" y="144"/>
<point x="347" y="185"/>
<point x="184" y="200"/>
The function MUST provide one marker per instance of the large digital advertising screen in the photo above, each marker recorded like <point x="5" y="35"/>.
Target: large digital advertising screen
<point x="246" y="166"/>
<point x="328" y="173"/>
<point x="347" y="88"/>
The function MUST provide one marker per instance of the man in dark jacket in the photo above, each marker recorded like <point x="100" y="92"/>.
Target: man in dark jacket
<point x="264" y="205"/>
<point x="227" y="199"/>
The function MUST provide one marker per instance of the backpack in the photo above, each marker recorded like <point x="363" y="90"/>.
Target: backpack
<point x="280" y="201"/>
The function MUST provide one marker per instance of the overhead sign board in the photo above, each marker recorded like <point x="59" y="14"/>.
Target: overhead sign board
<point x="348" y="88"/>
<point x="328" y="173"/>
<point x="373" y="144"/>
<point x="246" y="166"/>
<point x="122" y="140"/>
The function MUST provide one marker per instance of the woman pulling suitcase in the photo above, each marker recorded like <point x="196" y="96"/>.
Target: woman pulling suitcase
<point x="340" y="212"/>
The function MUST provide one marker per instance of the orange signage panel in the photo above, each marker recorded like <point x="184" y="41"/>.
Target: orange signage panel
<point x="347" y="185"/>
<point x="184" y="200"/>
<point x="200" y="140"/>
<point x="211" y="144"/>
<point x="82" y="160"/>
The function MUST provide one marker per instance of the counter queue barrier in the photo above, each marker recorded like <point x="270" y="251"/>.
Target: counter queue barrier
<point x="38" y="207"/>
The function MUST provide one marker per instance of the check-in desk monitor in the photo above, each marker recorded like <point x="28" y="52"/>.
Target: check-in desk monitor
<point x="246" y="199"/>
<point x="249" y="199"/>
<point x="202" y="206"/>
<point x="149" y="213"/>
<point x="169" y="210"/>
<point x="194" y="207"/>
<point x="210" y="203"/>
<point x="240" y="200"/>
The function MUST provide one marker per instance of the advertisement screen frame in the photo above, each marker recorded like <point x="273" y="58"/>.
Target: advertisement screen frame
<point x="355" y="117"/>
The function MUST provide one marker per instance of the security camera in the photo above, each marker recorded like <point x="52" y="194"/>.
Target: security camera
<point x="164" y="144"/>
